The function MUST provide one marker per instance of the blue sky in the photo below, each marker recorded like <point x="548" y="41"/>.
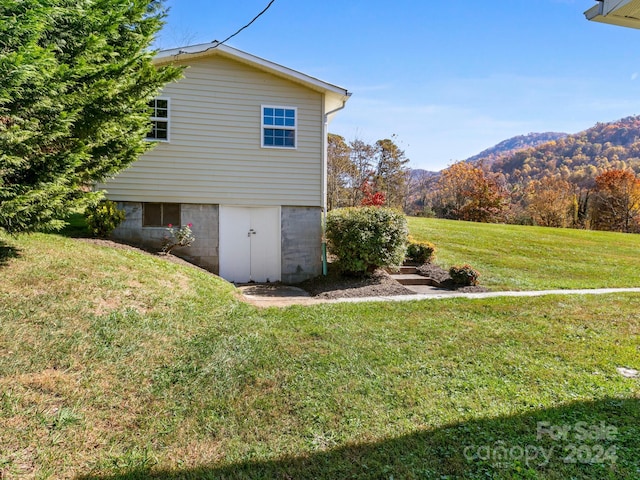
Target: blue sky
<point x="449" y="78"/>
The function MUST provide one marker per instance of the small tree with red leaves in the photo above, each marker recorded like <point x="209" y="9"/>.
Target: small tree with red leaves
<point x="371" y="198"/>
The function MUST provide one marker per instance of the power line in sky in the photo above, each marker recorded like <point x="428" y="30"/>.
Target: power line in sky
<point x="247" y="25"/>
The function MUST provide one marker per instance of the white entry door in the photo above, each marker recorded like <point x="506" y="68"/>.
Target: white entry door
<point x="250" y="244"/>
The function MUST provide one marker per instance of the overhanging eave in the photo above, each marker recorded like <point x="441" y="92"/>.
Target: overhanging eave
<point x="624" y="13"/>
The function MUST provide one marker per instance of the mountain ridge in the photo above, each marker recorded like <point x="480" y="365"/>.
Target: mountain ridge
<point x="578" y="157"/>
<point x="513" y="144"/>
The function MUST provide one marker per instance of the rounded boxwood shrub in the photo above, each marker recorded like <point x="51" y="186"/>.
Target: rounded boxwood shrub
<point x="464" y="275"/>
<point x="103" y="218"/>
<point x="420" y="252"/>
<point x="366" y="238"/>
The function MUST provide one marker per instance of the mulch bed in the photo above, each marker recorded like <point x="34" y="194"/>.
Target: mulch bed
<point x="443" y="280"/>
<point x="380" y="283"/>
<point x="334" y="285"/>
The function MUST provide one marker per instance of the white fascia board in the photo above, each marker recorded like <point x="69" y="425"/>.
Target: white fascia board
<point x="625" y="13"/>
<point x="594" y="12"/>
<point x="206" y="49"/>
<point x="613" y="6"/>
<point x="610" y="6"/>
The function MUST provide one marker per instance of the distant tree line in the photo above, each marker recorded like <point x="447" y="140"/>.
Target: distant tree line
<point x="586" y="180"/>
<point x="465" y="191"/>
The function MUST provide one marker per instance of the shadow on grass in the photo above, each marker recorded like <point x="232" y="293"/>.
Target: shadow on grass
<point x="583" y="440"/>
<point x="7" y="252"/>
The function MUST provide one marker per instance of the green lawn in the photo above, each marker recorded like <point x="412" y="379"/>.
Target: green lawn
<point x="115" y="364"/>
<point x="514" y="257"/>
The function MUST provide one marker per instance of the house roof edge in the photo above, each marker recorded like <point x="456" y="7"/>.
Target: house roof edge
<point x="215" y="48"/>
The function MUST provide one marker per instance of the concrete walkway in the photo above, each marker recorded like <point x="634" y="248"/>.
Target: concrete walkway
<point x="265" y="295"/>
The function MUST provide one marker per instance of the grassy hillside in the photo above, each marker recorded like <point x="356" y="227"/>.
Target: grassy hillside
<point x="514" y="257"/>
<point x="117" y="364"/>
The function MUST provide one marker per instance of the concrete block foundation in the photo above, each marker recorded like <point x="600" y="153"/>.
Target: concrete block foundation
<point x="204" y="219"/>
<point x="301" y="237"/>
<point x="301" y="243"/>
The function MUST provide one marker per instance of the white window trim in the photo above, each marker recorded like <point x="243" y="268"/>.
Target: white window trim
<point x="162" y="119"/>
<point x="279" y="127"/>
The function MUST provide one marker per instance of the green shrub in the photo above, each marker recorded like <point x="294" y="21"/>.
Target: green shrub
<point x="366" y="238"/>
<point x="103" y="218"/>
<point x="420" y="252"/>
<point x="464" y="275"/>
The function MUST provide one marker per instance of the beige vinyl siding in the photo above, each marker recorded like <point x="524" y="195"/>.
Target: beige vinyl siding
<point x="214" y="154"/>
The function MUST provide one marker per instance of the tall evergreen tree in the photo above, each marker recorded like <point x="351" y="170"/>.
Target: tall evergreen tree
<point x="76" y="77"/>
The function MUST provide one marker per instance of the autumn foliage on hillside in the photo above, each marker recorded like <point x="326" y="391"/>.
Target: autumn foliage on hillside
<point x="466" y="192"/>
<point x="514" y="144"/>
<point x="578" y="158"/>
<point x="616" y="201"/>
<point x="586" y="180"/>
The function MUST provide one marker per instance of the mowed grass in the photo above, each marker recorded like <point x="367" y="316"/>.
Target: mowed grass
<point x="514" y="257"/>
<point x="117" y="364"/>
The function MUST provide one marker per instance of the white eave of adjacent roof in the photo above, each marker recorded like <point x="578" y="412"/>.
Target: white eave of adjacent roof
<point x="625" y="13"/>
<point x="335" y="96"/>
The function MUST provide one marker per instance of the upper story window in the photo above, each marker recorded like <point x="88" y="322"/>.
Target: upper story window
<point x="159" y="108"/>
<point x="279" y="127"/>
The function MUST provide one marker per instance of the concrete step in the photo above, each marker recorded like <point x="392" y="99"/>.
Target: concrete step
<point x="408" y="269"/>
<point x="404" y="269"/>
<point x="411" y="279"/>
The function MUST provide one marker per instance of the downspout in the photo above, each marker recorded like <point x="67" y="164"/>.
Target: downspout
<point x="325" y="143"/>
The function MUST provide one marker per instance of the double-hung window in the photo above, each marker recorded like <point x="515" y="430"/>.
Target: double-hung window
<point x="279" y="126"/>
<point x="159" y="108"/>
